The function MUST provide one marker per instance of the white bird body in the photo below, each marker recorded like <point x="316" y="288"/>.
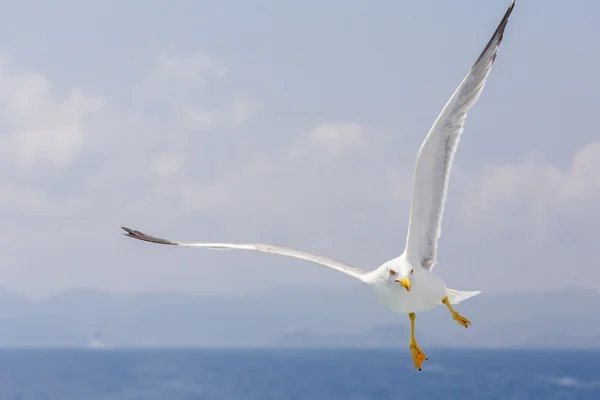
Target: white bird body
<point x="427" y="289"/>
<point x="419" y="288"/>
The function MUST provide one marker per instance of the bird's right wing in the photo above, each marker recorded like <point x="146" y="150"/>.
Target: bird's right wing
<point x="265" y="248"/>
<point x="436" y="155"/>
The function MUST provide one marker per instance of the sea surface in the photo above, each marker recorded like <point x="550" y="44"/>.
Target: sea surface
<point x="296" y="374"/>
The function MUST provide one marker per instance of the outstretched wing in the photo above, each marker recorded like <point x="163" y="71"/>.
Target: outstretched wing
<point x="265" y="248"/>
<point x="436" y="155"/>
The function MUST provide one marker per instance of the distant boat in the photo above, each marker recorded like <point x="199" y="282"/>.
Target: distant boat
<point x="97" y="341"/>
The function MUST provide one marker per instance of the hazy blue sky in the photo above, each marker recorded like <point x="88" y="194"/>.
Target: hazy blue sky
<point x="295" y="123"/>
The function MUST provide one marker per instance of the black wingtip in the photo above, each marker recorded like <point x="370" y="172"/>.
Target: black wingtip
<point x="498" y="35"/>
<point x="147" y="238"/>
<point x="127" y="230"/>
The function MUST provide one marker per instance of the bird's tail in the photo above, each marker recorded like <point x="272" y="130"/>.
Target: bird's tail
<point x="456" y="296"/>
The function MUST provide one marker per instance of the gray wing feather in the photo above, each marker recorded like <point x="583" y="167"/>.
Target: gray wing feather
<point x="265" y="248"/>
<point x="436" y="155"/>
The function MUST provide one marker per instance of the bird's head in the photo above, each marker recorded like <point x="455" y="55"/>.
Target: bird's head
<point x="401" y="275"/>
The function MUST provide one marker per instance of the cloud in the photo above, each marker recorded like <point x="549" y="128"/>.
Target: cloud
<point x="185" y="162"/>
<point x="167" y="165"/>
<point x="198" y="116"/>
<point x="197" y="89"/>
<point x="533" y="194"/>
<point x="74" y="168"/>
<point x="194" y="69"/>
<point x="243" y="109"/>
<point x="42" y="126"/>
<point x="333" y="140"/>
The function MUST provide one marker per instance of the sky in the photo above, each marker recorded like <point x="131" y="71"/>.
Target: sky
<point x="291" y="123"/>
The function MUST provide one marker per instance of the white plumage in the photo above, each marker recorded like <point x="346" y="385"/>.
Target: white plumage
<point x="419" y="288"/>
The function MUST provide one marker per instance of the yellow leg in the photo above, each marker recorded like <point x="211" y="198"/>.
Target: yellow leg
<point x="457" y="317"/>
<point x="418" y="355"/>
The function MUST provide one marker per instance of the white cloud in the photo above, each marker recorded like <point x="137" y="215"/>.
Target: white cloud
<point x="105" y="154"/>
<point x="167" y="165"/>
<point x="194" y="69"/>
<point x="332" y="140"/>
<point x="198" y="116"/>
<point x="243" y="109"/>
<point x="335" y="136"/>
<point x="198" y="90"/>
<point x="41" y="125"/>
<point x="533" y="194"/>
<point x="336" y="187"/>
<point x="21" y="197"/>
<point x="583" y="180"/>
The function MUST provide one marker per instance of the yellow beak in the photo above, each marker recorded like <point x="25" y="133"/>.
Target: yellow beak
<point x="405" y="283"/>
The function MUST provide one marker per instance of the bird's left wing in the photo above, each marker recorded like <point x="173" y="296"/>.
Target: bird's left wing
<point x="435" y="157"/>
<point x="265" y="248"/>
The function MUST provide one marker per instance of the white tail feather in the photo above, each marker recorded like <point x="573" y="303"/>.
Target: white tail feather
<point x="456" y="296"/>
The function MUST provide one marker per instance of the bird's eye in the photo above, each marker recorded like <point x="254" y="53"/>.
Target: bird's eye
<point x="392" y="272"/>
<point x="412" y="271"/>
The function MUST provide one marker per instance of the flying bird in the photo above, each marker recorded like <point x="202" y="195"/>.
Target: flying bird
<point x="406" y="284"/>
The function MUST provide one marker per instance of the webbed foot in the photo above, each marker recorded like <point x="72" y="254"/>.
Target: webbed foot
<point x="457" y="317"/>
<point x="418" y="355"/>
<point x="461" y="320"/>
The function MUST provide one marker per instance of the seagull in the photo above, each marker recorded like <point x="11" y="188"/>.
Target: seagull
<point x="406" y="284"/>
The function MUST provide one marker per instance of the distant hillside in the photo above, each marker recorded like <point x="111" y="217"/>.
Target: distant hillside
<point x="561" y="319"/>
<point x="294" y="316"/>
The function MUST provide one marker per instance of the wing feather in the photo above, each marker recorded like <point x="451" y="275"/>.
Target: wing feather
<point x="265" y="248"/>
<point x="436" y="155"/>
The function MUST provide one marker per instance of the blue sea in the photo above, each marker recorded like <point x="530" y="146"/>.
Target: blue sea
<point x="296" y="374"/>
